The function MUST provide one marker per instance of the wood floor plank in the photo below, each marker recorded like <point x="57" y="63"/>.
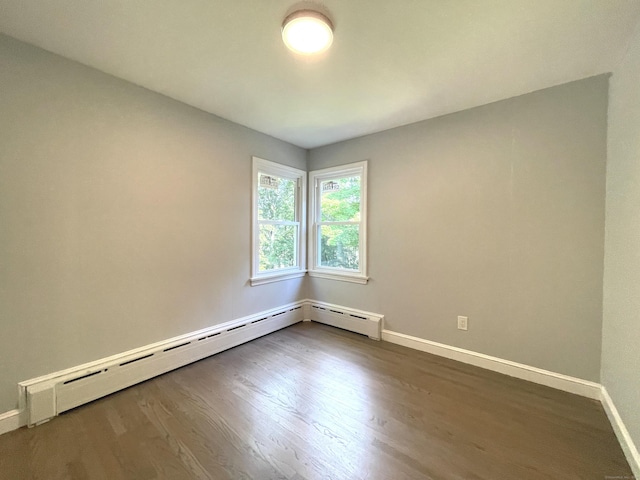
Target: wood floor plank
<point x="314" y="402"/>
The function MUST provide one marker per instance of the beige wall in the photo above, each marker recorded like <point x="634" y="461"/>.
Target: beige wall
<point x="496" y="213"/>
<point x="621" y="324"/>
<point x="124" y="217"/>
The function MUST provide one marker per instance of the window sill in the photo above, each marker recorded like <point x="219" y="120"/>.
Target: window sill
<point x="276" y="278"/>
<point x="344" y="277"/>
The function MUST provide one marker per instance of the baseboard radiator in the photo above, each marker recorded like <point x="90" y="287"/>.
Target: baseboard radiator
<point x="365" y="323"/>
<point x="45" y="397"/>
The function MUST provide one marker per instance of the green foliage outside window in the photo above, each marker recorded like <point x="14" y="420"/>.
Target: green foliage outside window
<point x="277" y="242"/>
<point x="277" y="246"/>
<point x="340" y="243"/>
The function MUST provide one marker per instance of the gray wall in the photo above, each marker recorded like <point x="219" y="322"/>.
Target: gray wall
<point x="496" y="213"/>
<point x="125" y="220"/>
<point x="621" y="324"/>
<point x="124" y="217"/>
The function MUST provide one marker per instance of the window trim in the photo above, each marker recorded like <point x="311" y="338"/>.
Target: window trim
<point x="315" y="177"/>
<point x="260" y="165"/>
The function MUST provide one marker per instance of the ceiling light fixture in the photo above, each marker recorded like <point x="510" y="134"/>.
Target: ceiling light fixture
<point x="307" y="32"/>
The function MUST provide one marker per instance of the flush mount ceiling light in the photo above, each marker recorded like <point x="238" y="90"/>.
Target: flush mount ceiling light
<point x="307" y="32"/>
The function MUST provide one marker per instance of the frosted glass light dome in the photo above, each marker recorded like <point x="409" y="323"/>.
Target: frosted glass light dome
<point x="307" y="32"/>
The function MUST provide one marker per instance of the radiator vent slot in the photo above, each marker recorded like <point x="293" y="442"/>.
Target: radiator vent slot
<point x="135" y="360"/>
<point x="58" y="392"/>
<point x="351" y="319"/>
<point x="209" y="336"/>
<point x="176" y="346"/>
<point x="83" y="377"/>
<point x="235" y="328"/>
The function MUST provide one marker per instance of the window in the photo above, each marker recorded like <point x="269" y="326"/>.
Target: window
<point x="279" y="229"/>
<point x="338" y="223"/>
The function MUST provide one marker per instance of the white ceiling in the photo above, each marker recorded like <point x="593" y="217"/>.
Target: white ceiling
<point x="391" y="63"/>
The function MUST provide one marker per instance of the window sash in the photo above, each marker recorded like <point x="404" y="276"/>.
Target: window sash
<point x="352" y="222"/>
<point x="277" y="222"/>
<point x="265" y="167"/>
<point x="315" y="263"/>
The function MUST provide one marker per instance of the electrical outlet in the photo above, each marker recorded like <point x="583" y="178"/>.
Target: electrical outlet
<point x="462" y="323"/>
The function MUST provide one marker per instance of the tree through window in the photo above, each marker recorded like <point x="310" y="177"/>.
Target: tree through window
<point x="278" y="222"/>
<point x="338" y="223"/>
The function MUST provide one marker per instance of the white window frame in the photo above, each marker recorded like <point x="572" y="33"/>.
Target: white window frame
<point x="266" y="167"/>
<point x="315" y="178"/>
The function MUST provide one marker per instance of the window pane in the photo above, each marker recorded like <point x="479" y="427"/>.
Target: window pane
<point x="277" y="246"/>
<point x="340" y="200"/>
<point x="339" y="246"/>
<point x="276" y="198"/>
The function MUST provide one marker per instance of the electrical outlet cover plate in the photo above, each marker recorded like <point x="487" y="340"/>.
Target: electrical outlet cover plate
<point x="462" y="323"/>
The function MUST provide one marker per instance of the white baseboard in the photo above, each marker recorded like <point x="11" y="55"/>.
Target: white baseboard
<point x="537" y="375"/>
<point x="358" y="321"/>
<point x="626" y="442"/>
<point x="47" y="396"/>
<point x="11" y="420"/>
<point x="44" y="397"/>
<point x="78" y="385"/>
<point x="525" y="372"/>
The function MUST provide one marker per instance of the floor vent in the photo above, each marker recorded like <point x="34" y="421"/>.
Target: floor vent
<point x="45" y="397"/>
<point x="365" y="323"/>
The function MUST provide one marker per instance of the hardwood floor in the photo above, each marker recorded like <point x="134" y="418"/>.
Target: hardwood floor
<point x="315" y="402"/>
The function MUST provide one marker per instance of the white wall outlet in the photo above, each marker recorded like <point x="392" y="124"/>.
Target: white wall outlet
<point x="462" y="323"/>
